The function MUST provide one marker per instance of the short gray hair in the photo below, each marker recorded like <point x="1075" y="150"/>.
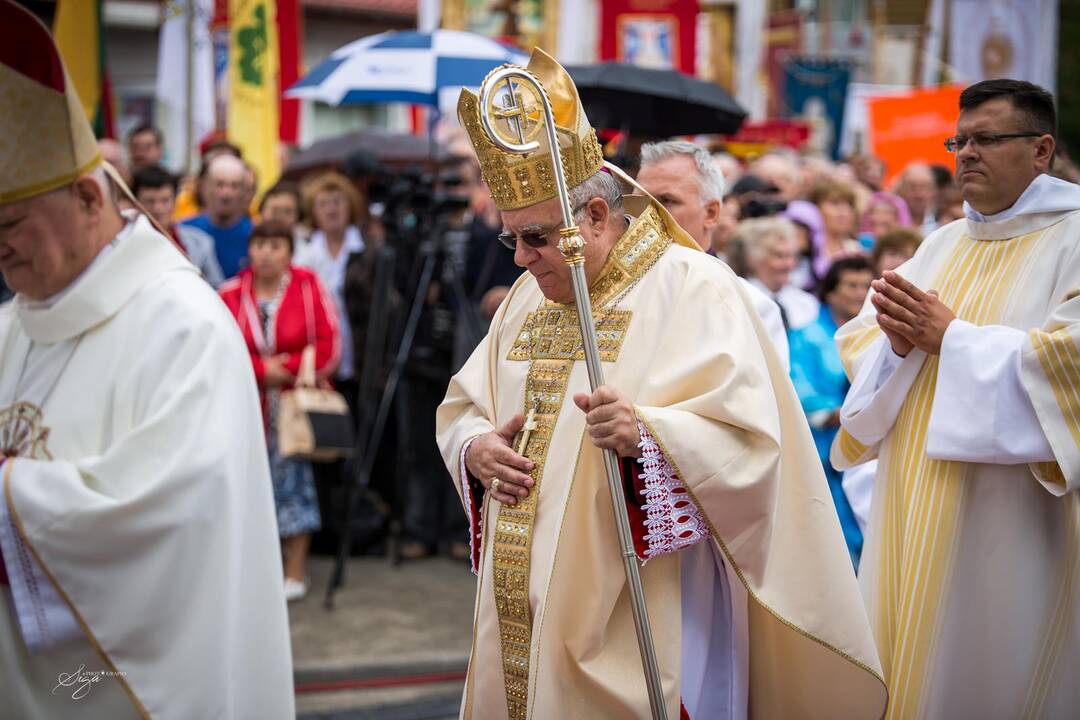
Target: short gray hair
<point x="756" y="236"/>
<point x="601" y="185"/>
<point x="710" y="179"/>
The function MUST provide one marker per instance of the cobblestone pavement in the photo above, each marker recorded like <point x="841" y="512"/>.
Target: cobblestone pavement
<point x="395" y="646"/>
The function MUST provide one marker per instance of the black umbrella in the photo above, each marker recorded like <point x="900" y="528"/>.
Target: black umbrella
<point x="654" y="103"/>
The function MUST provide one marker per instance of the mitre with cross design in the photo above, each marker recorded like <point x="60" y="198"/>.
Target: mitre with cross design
<point x="518" y="181"/>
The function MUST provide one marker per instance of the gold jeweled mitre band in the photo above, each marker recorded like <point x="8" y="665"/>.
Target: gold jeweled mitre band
<point x="518" y="181"/>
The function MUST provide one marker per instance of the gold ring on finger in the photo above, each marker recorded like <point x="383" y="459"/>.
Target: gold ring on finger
<point x="495" y="482"/>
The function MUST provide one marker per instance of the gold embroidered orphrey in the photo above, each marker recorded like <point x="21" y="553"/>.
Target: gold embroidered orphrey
<point x="550" y="340"/>
<point x="22" y="433"/>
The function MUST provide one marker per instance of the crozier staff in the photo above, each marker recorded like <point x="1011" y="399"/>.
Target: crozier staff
<point x="725" y="499"/>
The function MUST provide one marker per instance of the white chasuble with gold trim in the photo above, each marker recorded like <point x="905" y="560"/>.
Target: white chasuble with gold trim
<point x="752" y="535"/>
<point x="140" y="528"/>
<point x="970" y="569"/>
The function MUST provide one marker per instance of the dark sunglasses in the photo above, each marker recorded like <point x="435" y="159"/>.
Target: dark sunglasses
<point x="537" y="238"/>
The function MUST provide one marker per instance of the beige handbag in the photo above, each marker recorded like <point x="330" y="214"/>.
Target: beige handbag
<point x="314" y="424"/>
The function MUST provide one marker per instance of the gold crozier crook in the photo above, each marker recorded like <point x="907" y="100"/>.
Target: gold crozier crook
<point x="512" y="127"/>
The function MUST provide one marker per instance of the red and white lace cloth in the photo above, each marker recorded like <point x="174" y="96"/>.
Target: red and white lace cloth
<point x="672" y="520"/>
<point x="663" y="517"/>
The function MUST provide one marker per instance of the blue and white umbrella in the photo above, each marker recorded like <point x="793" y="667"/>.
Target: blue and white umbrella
<point x="410" y="67"/>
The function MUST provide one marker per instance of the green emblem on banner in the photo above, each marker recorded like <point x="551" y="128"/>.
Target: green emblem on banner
<point x="252" y="41"/>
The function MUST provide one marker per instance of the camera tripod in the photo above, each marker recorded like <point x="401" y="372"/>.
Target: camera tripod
<point x="373" y="417"/>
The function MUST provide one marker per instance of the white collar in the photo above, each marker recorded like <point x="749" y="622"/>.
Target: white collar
<point x="71" y="286"/>
<point x="1042" y="204"/>
<point x="353" y="242"/>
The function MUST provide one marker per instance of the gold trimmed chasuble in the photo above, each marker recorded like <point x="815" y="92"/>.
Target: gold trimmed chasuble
<point x="553" y="633"/>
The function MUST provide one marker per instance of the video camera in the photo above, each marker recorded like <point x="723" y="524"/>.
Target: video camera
<point x="412" y="203"/>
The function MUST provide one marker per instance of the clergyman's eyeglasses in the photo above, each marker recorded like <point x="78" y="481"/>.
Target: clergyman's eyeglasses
<point x="983" y="140"/>
<point x="535" y="239"/>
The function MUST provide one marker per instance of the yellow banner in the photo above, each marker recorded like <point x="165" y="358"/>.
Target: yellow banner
<point x="76" y="29"/>
<point x="253" y="86"/>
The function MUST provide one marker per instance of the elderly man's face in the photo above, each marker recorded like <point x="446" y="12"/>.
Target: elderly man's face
<point x="225" y="193"/>
<point x="546" y="263"/>
<point x="144" y="149"/>
<point x="676" y="184"/>
<point x="47" y="240"/>
<point x="918" y="190"/>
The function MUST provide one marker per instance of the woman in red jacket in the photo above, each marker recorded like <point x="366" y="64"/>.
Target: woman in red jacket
<point x="281" y="309"/>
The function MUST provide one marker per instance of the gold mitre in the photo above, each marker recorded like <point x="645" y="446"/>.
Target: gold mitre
<point x="517" y="181"/>
<point x="45" y="139"/>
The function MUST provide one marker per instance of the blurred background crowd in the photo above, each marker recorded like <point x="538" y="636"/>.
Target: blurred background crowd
<point x="355" y="219"/>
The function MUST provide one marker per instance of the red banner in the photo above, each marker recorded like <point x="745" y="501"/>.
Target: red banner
<point x="649" y="33"/>
<point x="289" y="58"/>
<point x="755" y="138"/>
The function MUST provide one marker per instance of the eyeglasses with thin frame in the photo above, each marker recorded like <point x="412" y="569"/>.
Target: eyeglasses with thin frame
<point x="983" y="140"/>
<point x="536" y="239"/>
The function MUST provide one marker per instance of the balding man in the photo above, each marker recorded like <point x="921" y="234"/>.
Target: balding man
<point x="781" y="169"/>
<point x="684" y="179"/>
<point x="225" y="214"/>
<point x="917" y="187"/>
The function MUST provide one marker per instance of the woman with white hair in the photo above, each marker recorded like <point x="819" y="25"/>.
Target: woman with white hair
<point x="770" y="249"/>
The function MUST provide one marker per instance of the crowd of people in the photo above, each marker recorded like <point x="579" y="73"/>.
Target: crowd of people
<point x="807" y="236"/>
<point x="768" y="330"/>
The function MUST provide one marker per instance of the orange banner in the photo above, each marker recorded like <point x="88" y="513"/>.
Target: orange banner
<point x="913" y="126"/>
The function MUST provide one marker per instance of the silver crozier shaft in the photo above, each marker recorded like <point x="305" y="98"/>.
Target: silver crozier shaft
<point x="572" y="247"/>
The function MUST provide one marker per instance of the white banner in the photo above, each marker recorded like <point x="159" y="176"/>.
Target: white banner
<point x="1004" y="39"/>
<point x="172" y="88"/>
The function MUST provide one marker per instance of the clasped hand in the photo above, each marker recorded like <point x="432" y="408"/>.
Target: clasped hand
<point x="609" y="419"/>
<point x="909" y="317"/>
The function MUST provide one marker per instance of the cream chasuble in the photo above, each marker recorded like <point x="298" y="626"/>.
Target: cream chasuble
<point x="553" y="630"/>
<point x="140" y="497"/>
<point x="971" y="563"/>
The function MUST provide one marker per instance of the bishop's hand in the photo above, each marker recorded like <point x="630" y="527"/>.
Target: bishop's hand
<point x="611" y="420"/>
<point x="490" y="457"/>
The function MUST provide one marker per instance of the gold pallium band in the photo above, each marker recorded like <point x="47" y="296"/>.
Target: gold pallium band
<point x="550" y="339"/>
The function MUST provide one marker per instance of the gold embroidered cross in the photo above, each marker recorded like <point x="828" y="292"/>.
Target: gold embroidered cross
<point x="527" y="428"/>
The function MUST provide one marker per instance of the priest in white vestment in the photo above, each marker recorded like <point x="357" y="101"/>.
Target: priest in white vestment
<point x="966" y="386"/>
<point x="753" y="602"/>
<point x="139" y="565"/>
